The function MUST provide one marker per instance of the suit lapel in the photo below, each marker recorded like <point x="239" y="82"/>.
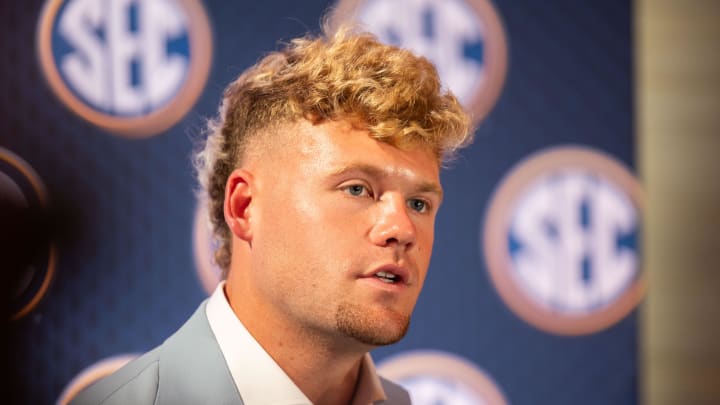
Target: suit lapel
<point x="192" y="367"/>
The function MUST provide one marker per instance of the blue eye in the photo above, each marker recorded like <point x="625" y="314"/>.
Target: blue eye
<point x="356" y="190"/>
<point x="418" y="205"/>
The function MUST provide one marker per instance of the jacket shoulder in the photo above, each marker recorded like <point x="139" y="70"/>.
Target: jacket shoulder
<point x="135" y="383"/>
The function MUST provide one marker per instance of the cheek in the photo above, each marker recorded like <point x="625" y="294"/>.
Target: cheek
<point x="285" y="210"/>
<point x="303" y="235"/>
<point x="426" y="237"/>
<point x="424" y="249"/>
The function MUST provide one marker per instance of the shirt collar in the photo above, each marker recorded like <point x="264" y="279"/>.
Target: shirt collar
<point x="259" y="379"/>
<point x="369" y="388"/>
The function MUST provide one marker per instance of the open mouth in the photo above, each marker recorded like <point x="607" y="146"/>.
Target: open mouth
<point x="387" y="277"/>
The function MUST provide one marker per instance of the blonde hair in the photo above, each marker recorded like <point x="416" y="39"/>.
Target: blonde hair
<point x="390" y="92"/>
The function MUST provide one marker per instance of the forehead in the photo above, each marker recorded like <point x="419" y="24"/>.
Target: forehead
<point x="331" y="146"/>
<point x="340" y="141"/>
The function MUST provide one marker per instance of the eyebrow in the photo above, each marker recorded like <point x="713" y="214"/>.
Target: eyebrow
<point x="374" y="171"/>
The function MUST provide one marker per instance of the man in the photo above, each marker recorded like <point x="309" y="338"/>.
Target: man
<point x="322" y="177"/>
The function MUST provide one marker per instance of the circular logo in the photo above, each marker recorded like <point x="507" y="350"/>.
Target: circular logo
<point x="433" y="377"/>
<point x="204" y="247"/>
<point x="23" y="213"/>
<point x="134" y="67"/>
<point x="464" y="39"/>
<point x="561" y="240"/>
<point x="91" y="374"/>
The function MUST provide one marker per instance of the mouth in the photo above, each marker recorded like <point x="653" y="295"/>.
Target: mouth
<point x="388" y="277"/>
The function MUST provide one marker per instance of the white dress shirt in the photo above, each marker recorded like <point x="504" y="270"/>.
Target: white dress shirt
<point x="258" y="378"/>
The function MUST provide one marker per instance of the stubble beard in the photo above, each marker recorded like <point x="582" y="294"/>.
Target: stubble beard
<point x="371" y="328"/>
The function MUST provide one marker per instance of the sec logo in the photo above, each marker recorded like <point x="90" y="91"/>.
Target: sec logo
<point x="438" y="378"/>
<point x="561" y="240"/>
<point x="31" y="255"/>
<point x="95" y="372"/>
<point x="463" y="38"/>
<point x="134" y="67"/>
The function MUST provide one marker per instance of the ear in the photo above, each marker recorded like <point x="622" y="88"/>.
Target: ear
<point x="238" y="197"/>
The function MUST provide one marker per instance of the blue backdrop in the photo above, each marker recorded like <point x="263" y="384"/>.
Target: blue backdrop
<point x="121" y="208"/>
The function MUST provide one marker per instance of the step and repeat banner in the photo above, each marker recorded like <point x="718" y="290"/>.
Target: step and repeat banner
<point x="532" y="292"/>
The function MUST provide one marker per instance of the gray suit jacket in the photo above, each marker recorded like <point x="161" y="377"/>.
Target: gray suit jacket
<point x="188" y="368"/>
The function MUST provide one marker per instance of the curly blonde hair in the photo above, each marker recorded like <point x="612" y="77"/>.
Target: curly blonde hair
<point x="393" y="94"/>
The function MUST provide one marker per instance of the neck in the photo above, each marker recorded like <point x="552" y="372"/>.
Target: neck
<point x="326" y="369"/>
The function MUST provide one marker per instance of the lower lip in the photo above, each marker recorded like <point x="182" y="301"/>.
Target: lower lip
<point x="379" y="284"/>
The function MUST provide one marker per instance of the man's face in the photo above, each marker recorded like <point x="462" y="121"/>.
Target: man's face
<point x="342" y="231"/>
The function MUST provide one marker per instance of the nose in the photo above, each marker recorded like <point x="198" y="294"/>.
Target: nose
<point x="393" y="224"/>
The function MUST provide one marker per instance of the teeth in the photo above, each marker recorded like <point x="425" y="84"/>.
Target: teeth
<point x="385" y="276"/>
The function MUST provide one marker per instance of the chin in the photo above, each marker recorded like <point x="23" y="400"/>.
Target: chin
<point x="374" y="327"/>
